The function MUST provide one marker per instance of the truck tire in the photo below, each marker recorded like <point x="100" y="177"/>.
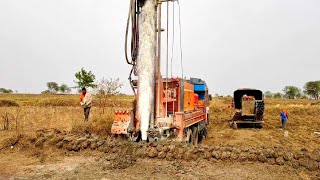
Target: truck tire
<point x="260" y="107"/>
<point x="203" y="134"/>
<point x="195" y="136"/>
<point x="234" y="125"/>
<point x="189" y="136"/>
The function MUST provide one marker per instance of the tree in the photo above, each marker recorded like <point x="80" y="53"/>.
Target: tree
<point x="105" y="89"/>
<point x="304" y="96"/>
<point x="292" y="92"/>
<point x="268" y="94"/>
<point x="85" y="79"/>
<point x="45" y="92"/>
<point x="53" y="87"/>
<point x="4" y="90"/>
<point x="109" y="87"/>
<point x="312" y="89"/>
<point x="278" y="96"/>
<point x="64" y="88"/>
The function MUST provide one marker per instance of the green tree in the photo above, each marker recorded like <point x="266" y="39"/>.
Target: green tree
<point x="268" y="94"/>
<point x="278" y="95"/>
<point x="4" y="90"/>
<point x="312" y="89"/>
<point x="64" y="88"/>
<point x="85" y="79"/>
<point x="53" y="87"/>
<point x="45" y="92"/>
<point x="292" y="92"/>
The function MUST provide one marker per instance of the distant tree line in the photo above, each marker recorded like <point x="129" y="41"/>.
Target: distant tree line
<point x="311" y="90"/>
<point x="104" y="89"/>
<point x="6" y="91"/>
<point x="53" y="88"/>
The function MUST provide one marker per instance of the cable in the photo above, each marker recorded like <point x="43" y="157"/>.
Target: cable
<point x="172" y="50"/>
<point x="180" y="38"/>
<point x="127" y="32"/>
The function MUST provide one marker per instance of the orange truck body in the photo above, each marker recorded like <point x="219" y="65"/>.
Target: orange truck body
<point x="183" y="108"/>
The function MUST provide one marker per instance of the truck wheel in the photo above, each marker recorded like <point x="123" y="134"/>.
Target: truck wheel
<point x="195" y="136"/>
<point x="202" y="135"/>
<point x="230" y="124"/>
<point x="189" y="136"/>
<point x="234" y="125"/>
<point x="128" y="137"/>
<point x="137" y="138"/>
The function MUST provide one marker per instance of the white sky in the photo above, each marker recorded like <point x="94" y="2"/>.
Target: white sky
<point x="264" y="44"/>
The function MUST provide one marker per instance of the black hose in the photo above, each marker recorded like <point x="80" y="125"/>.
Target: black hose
<point x="127" y="32"/>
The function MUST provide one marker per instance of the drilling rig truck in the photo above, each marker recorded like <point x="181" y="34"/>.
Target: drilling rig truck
<point x="181" y="106"/>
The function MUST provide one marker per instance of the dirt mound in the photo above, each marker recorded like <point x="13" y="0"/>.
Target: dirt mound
<point x="17" y="141"/>
<point x="122" y="154"/>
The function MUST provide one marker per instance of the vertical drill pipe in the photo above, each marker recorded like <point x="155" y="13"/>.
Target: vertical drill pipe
<point x="173" y="102"/>
<point x="167" y="63"/>
<point x="159" y="57"/>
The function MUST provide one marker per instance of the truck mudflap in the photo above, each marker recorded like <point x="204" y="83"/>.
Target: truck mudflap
<point x="123" y="122"/>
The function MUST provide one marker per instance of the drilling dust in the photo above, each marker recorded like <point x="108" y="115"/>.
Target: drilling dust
<point x="146" y="66"/>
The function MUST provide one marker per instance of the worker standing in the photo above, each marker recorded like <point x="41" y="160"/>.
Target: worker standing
<point x="284" y="118"/>
<point x="86" y="102"/>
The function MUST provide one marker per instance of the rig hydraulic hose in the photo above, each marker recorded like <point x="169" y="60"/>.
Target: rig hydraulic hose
<point x="127" y="32"/>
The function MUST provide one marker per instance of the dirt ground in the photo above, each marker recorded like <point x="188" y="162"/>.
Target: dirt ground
<point x="91" y="167"/>
<point x="52" y="154"/>
<point x="70" y="149"/>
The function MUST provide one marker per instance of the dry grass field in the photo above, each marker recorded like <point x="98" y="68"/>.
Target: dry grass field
<point x="304" y="120"/>
<point x="34" y="112"/>
<point x="29" y="114"/>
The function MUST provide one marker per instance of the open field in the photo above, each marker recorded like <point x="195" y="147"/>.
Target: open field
<point x="304" y="120"/>
<point x="27" y="152"/>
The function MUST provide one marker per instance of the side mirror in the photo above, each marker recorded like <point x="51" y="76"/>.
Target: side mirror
<point x="210" y="97"/>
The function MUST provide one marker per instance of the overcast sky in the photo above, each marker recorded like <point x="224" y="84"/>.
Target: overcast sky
<point x="229" y="43"/>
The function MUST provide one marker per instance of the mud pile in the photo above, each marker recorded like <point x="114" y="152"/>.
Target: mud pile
<point x="124" y="154"/>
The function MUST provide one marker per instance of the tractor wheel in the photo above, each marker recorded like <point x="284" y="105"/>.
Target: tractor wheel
<point x="195" y="136"/>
